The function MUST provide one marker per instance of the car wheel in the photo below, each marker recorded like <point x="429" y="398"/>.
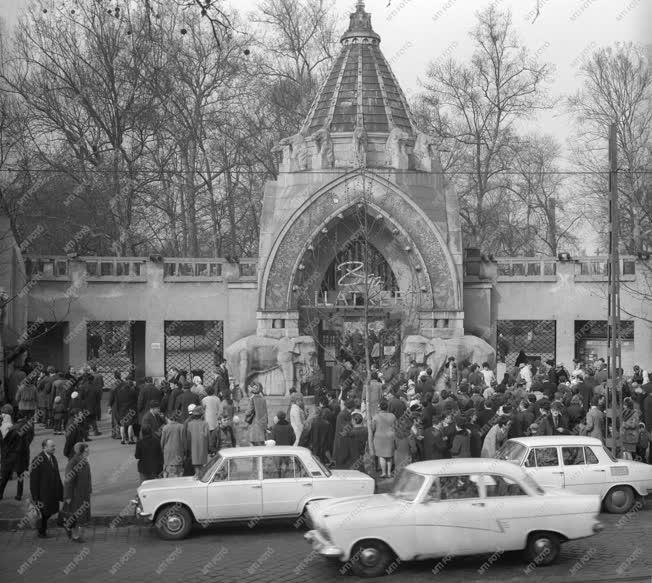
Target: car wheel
<point x="542" y="548"/>
<point x="173" y="522"/>
<point x="620" y="500"/>
<point x="370" y="558"/>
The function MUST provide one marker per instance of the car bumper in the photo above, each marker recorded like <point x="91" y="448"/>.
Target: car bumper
<point x="323" y="546"/>
<point x="138" y="512"/>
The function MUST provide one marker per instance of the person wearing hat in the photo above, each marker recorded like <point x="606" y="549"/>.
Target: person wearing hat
<point x="631" y="419"/>
<point x="197" y="434"/>
<point x="495" y="437"/>
<point x="256" y="415"/>
<point x="153" y="418"/>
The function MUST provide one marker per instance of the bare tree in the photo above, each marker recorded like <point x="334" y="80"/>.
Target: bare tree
<point x="538" y="186"/>
<point x="616" y="88"/>
<point x="474" y="108"/>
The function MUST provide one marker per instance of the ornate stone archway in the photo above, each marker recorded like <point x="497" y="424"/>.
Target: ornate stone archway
<point x="418" y="235"/>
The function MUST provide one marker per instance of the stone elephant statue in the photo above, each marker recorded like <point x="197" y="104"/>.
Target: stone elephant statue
<point x="434" y="352"/>
<point x="261" y="358"/>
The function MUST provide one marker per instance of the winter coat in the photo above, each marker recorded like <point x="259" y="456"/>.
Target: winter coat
<point x="375" y="395"/>
<point x="149" y="455"/>
<point x="434" y="445"/>
<point x="77" y="488"/>
<point x="258" y="426"/>
<point x="59" y="410"/>
<point x="356" y="446"/>
<point x="283" y="433"/>
<point x="594" y="420"/>
<point x="126" y="400"/>
<point x="154" y="422"/>
<point x="184" y="400"/>
<point x="148" y="392"/>
<point x="27" y="397"/>
<point x="493" y="441"/>
<point x="197" y="441"/>
<point x="45" y="484"/>
<point x="461" y="444"/>
<point x="15" y="446"/>
<point x="320" y="438"/>
<point x="173" y="443"/>
<point x="342" y="429"/>
<point x="211" y="404"/>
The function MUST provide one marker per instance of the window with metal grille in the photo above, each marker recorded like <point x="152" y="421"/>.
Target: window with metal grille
<point x="536" y="338"/>
<point x="109" y="345"/>
<point x="193" y="346"/>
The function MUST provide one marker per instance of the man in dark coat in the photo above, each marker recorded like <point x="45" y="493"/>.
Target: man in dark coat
<point x="320" y="436"/>
<point x="45" y="485"/>
<point x="153" y="419"/>
<point x="434" y="441"/>
<point x="148" y="392"/>
<point x="15" y="453"/>
<point x="173" y="398"/>
<point x="342" y="429"/>
<point x="221" y="384"/>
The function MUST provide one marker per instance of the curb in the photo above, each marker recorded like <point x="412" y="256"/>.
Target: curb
<point x="111" y="521"/>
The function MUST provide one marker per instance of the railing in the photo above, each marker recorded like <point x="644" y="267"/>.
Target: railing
<point x="183" y="269"/>
<point x="47" y="268"/>
<point x="597" y="268"/>
<point x="527" y="268"/>
<point x="135" y="269"/>
<point x="116" y="268"/>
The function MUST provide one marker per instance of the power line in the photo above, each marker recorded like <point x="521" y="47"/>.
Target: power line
<point x="339" y="171"/>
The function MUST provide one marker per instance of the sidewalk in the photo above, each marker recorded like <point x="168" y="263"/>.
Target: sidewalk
<point x="114" y="473"/>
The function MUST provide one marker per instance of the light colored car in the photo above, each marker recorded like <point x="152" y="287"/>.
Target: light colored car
<point x="445" y="508"/>
<point x="245" y="483"/>
<point x="582" y="465"/>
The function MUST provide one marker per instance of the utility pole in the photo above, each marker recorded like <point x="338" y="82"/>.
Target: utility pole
<point x="614" y="396"/>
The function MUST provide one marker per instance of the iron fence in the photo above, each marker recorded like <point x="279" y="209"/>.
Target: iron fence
<point x="193" y="346"/>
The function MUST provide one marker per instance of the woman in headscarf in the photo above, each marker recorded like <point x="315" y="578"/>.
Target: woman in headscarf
<point x="77" y="491"/>
<point x="297" y="417"/>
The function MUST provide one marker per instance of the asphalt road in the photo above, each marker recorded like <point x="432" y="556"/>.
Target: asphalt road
<point x="278" y="552"/>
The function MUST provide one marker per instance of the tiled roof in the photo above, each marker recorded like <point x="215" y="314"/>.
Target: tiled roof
<point x="360" y="88"/>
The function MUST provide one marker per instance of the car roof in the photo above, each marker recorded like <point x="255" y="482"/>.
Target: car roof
<point x="465" y="466"/>
<point x="554" y="440"/>
<point x="264" y="450"/>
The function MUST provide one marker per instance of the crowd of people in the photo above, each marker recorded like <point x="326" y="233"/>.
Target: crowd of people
<point x="376" y="423"/>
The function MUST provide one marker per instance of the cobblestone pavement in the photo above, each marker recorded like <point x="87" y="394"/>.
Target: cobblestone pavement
<point x="278" y="553"/>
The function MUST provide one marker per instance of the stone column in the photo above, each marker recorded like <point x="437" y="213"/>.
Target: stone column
<point x="155" y="328"/>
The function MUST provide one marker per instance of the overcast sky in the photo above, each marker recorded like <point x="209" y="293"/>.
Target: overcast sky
<point x="415" y="32"/>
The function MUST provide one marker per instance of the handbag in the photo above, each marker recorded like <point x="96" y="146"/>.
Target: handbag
<point x="250" y="416"/>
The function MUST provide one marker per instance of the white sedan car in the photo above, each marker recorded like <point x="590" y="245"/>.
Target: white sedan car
<point x="446" y="508"/>
<point x="245" y="483"/>
<point x="582" y="465"/>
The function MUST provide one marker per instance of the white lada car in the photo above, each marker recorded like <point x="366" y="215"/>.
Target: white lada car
<point x="582" y="465"/>
<point x="245" y="484"/>
<point x="445" y="508"/>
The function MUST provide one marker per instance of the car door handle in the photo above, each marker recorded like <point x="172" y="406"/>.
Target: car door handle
<point x="559" y="473"/>
<point x="599" y="471"/>
<point x="307" y="485"/>
<point x="257" y="487"/>
<point x="477" y="503"/>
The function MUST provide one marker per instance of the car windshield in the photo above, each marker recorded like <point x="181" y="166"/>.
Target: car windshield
<point x="207" y="470"/>
<point x="322" y="467"/>
<point x="407" y="485"/>
<point x="512" y="451"/>
<point x="532" y="483"/>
